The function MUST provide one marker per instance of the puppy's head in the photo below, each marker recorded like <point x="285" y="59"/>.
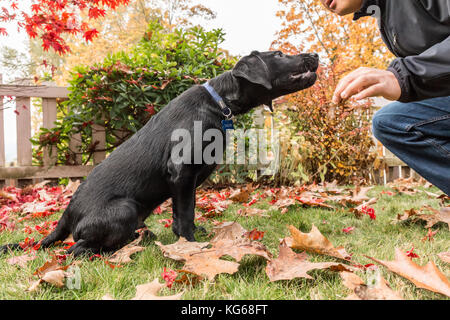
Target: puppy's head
<point x="277" y="74"/>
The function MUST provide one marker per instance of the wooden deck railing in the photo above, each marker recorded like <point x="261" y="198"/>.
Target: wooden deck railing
<point x="393" y="167"/>
<point x="25" y="172"/>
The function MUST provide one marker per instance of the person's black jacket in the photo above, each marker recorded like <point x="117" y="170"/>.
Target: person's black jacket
<point x="418" y="33"/>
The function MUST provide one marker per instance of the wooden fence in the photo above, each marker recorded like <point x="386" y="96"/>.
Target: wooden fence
<point x="25" y="173"/>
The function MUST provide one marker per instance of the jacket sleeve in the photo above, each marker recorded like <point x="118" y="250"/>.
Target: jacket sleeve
<point x="426" y="75"/>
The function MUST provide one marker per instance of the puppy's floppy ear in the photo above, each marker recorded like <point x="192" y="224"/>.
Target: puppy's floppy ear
<point x="253" y="69"/>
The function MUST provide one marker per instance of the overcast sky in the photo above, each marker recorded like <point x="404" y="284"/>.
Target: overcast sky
<point x="249" y="25"/>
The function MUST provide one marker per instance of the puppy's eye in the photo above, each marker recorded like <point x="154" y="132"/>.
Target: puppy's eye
<point x="279" y="54"/>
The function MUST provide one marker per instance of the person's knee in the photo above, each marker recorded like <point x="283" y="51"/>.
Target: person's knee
<point x="384" y="123"/>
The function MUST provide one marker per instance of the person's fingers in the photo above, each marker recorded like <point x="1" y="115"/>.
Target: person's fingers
<point x="360" y="83"/>
<point x="345" y="82"/>
<point x="371" y="91"/>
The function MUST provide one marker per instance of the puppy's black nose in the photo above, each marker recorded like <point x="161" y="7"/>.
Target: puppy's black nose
<point x="314" y="55"/>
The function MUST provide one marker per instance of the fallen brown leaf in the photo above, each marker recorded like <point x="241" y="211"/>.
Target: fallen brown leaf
<point x="241" y="195"/>
<point x="182" y="249"/>
<point x="124" y="254"/>
<point x="289" y="265"/>
<point x="444" y="256"/>
<point x="360" y="291"/>
<point x="251" y="212"/>
<point x="55" y="278"/>
<point x="428" y="277"/>
<point x="72" y="186"/>
<point x="207" y="264"/>
<point x="22" y="260"/>
<point x="237" y="249"/>
<point x="229" y="231"/>
<point x="315" y="242"/>
<point x="442" y="215"/>
<point x="229" y="240"/>
<point x="51" y="272"/>
<point x="149" y="291"/>
<point x="284" y="203"/>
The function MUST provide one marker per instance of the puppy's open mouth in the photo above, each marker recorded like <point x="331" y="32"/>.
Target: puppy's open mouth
<point x="302" y="75"/>
<point x="307" y="70"/>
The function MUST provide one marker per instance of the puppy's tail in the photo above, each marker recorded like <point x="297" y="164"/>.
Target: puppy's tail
<point x="8" y="247"/>
<point x="60" y="233"/>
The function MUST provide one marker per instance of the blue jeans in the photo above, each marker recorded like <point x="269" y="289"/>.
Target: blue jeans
<point x="419" y="134"/>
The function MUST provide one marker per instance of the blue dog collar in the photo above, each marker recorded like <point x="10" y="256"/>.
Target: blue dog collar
<point x="226" y="111"/>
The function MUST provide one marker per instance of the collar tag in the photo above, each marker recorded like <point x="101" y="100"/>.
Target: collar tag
<point x="227" y="125"/>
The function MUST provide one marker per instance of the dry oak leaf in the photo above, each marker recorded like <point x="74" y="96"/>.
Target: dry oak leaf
<point x="22" y="260"/>
<point x="408" y="213"/>
<point x="360" y="195"/>
<point x="366" y="204"/>
<point x="49" y="266"/>
<point x="149" y="291"/>
<point x="237" y="249"/>
<point x="289" y="265"/>
<point x="55" y="278"/>
<point x="207" y="264"/>
<point x="124" y="254"/>
<point x="443" y="215"/>
<point x="51" y="272"/>
<point x="249" y="212"/>
<point x="228" y="230"/>
<point x="381" y="291"/>
<point x="241" y="195"/>
<point x="72" y="186"/>
<point x="284" y="203"/>
<point x="444" y="256"/>
<point x="315" y="242"/>
<point x="427" y="277"/>
<point x="181" y="249"/>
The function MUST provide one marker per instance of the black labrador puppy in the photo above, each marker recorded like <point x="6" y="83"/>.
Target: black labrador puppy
<point x="121" y="192"/>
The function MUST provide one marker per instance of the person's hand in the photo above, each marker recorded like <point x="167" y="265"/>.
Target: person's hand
<point x="368" y="82"/>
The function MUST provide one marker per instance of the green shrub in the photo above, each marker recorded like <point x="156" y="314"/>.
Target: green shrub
<point x="123" y="92"/>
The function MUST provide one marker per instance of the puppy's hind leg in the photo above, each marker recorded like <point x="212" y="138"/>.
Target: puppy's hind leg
<point x="82" y="247"/>
<point x="108" y="229"/>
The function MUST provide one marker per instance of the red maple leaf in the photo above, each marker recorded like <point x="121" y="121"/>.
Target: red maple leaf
<point x="411" y="253"/>
<point x="169" y="276"/>
<point x="3" y="32"/>
<point x="167" y="222"/>
<point x="430" y="235"/>
<point x="369" y="211"/>
<point x="255" y="234"/>
<point x="95" y="13"/>
<point x="90" y="34"/>
<point x="150" y="109"/>
<point x="348" y="230"/>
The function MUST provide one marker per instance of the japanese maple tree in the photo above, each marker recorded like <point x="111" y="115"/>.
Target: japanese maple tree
<point x="50" y="20"/>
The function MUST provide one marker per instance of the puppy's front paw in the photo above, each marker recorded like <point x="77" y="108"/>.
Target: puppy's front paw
<point x="201" y="230"/>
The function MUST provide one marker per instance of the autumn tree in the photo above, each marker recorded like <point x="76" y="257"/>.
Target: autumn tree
<point x="331" y="142"/>
<point x="118" y="30"/>
<point x="50" y="20"/>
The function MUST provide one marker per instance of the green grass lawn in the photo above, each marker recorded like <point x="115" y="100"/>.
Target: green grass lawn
<point x="376" y="238"/>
